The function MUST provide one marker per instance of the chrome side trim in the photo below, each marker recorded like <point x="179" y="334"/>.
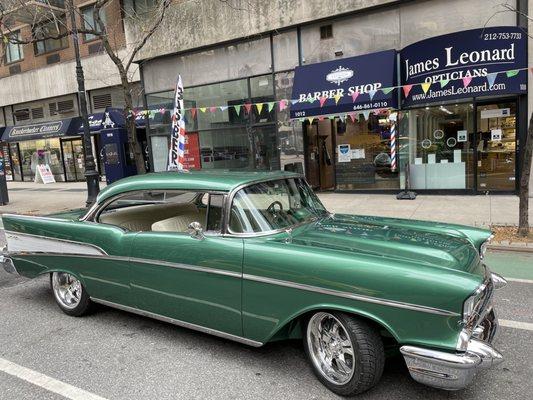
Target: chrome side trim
<point x="178" y="322"/>
<point x="25" y="242"/>
<point x="352" y="296"/>
<point x="188" y="267"/>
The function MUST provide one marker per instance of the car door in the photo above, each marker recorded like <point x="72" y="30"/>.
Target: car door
<point x="194" y="279"/>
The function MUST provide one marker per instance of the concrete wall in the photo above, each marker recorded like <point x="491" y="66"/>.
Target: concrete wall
<point x="59" y="79"/>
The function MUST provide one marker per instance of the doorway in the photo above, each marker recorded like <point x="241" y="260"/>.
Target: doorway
<point x="73" y="159"/>
<point x="318" y="144"/>
<point x="496" y="146"/>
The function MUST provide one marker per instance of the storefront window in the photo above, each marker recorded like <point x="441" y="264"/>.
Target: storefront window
<point x="363" y="153"/>
<point x="40" y="152"/>
<point x="290" y="133"/>
<point x="437" y="147"/>
<point x="228" y="137"/>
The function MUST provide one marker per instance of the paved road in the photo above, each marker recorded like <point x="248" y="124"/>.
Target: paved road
<point x="117" y="355"/>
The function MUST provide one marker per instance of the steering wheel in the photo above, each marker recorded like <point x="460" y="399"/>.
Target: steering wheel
<point x="271" y="208"/>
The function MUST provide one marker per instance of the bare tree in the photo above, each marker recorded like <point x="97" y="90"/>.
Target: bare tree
<point x="47" y="24"/>
<point x="526" y="162"/>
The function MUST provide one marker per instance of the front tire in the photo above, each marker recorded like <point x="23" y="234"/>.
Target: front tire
<point x="346" y="353"/>
<point x="70" y="294"/>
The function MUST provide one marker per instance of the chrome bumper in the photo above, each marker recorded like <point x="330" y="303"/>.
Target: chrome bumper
<point x="454" y="371"/>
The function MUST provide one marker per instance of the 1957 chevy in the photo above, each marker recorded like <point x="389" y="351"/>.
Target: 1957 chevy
<point x="255" y="257"/>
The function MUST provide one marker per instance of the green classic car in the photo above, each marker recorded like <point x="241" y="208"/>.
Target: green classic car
<point x="255" y="257"/>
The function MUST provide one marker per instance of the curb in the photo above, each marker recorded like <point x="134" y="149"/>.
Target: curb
<point x="522" y="248"/>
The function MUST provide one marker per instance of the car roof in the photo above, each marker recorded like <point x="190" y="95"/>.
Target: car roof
<point x="204" y="180"/>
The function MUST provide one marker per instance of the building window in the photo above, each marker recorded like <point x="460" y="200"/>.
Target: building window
<point x="45" y="32"/>
<point x="89" y="23"/>
<point x="14" y="51"/>
<point x="326" y="31"/>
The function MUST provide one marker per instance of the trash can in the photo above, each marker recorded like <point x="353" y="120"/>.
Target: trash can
<point x="4" y="198"/>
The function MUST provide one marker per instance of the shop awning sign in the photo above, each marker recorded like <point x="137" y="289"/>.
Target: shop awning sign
<point x="465" y="64"/>
<point x="345" y="85"/>
<point x="40" y="131"/>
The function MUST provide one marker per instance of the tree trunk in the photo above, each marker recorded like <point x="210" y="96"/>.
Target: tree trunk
<point x="523" y="208"/>
<point x="131" y="129"/>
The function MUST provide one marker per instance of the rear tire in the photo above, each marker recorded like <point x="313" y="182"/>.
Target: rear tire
<point x="346" y="353"/>
<point x="69" y="294"/>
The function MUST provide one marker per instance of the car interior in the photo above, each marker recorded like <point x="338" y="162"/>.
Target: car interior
<point x="172" y="214"/>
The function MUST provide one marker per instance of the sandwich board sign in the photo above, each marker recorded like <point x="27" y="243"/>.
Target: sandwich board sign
<point x="43" y="174"/>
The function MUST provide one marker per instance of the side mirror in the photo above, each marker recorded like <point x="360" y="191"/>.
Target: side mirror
<point x="195" y="230"/>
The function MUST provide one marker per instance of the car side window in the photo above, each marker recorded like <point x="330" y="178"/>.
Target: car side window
<point x="214" y="213"/>
<point x="158" y="211"/>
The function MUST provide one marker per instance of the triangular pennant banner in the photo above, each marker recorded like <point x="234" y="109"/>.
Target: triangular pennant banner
<point x="366" y="114"/>
<point x="322" y="101"/>
<point x="282" y="105"/>
<point x="302" y="120"/>
<point x="444" y="82"/>
<point x="193" y="112"/>
<point x="531" y="69"/>
<point x="331" y="117"/>
<point x="321" y="118"/>
<point x="238" y="109"/>
<point x="212" y="109"/>
<point x="337" y="97"/>
<point x="352" y="117"/>
<point x="354" y="96"/>
<point x="342" y="117"/>
<point x="426" y="86"/>
<point x="271" y="106"/>
<point x="223" y="108"/>
<point x="311" y="100"/>
<point x="406" y="89"/>
<point x="294" y="101"/>
<point x="259" y="107"/>
<point x="512" y="73"/>
<point x="310" y="119"/>
<point x="467" y="80"/>
<point x="387" y="90"/>
<point x="203" y="109"/>
<point x="372" y="93"/>
<point x="248" y="107"/>
<point x="491" y="78"/>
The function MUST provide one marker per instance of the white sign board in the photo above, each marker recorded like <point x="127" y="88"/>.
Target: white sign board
<point x="495" y="113"/>
<point x="43" y="174"/>
<point x="496" y="135"/>
<point x="344" y="153"/>
<point x="457" y="156"/>
<point x="462" y="136"/>
<point x="358" y="153"/>
<point x="432" y="158"/>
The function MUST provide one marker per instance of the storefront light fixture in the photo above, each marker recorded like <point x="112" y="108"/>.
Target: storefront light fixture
<point x="338" y="53"/>
<point x="444" y="109"/>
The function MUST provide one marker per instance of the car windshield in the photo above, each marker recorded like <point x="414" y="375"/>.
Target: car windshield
<point x="273" y="205"/>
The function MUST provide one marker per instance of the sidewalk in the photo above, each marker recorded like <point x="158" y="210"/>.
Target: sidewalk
<point x="32" y="198"/>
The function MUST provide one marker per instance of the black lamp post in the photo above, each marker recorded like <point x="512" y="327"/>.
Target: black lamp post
<point x="91" y="174"/>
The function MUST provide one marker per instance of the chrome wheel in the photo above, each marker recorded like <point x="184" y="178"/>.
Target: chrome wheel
<point x="330" y="348"/>
<point x="67" y="289"/>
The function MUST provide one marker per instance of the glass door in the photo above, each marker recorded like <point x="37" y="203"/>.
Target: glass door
<point x="73" y="159"/>
<point x="496" y="147"/>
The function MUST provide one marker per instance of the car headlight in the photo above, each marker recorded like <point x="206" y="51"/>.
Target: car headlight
<point x="484" y="245"/>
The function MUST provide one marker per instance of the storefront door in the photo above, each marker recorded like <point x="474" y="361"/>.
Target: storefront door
<point x="73" y="158"/>
<point x="319" y="155"/>
<point x="496" y="147"/>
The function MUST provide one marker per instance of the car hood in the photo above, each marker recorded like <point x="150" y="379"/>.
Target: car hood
<point x="415" y="242"/>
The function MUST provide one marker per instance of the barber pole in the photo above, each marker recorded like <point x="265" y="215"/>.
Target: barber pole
<point x="176" y="155"/>
<point x="392" y="118"/>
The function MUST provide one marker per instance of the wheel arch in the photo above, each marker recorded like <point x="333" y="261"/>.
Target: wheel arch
<point x="288" y="328"/>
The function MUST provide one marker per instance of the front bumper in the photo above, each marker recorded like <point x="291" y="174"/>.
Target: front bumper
<point x="454" y="371"/>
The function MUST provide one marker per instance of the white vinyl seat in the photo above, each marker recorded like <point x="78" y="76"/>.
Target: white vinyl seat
<point x="180" y="222"/>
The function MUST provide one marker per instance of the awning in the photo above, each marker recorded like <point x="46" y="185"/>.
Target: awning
<point x="110" y="118"/>
<point x="64" y="127"/>
<point x="345" y="85"/>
